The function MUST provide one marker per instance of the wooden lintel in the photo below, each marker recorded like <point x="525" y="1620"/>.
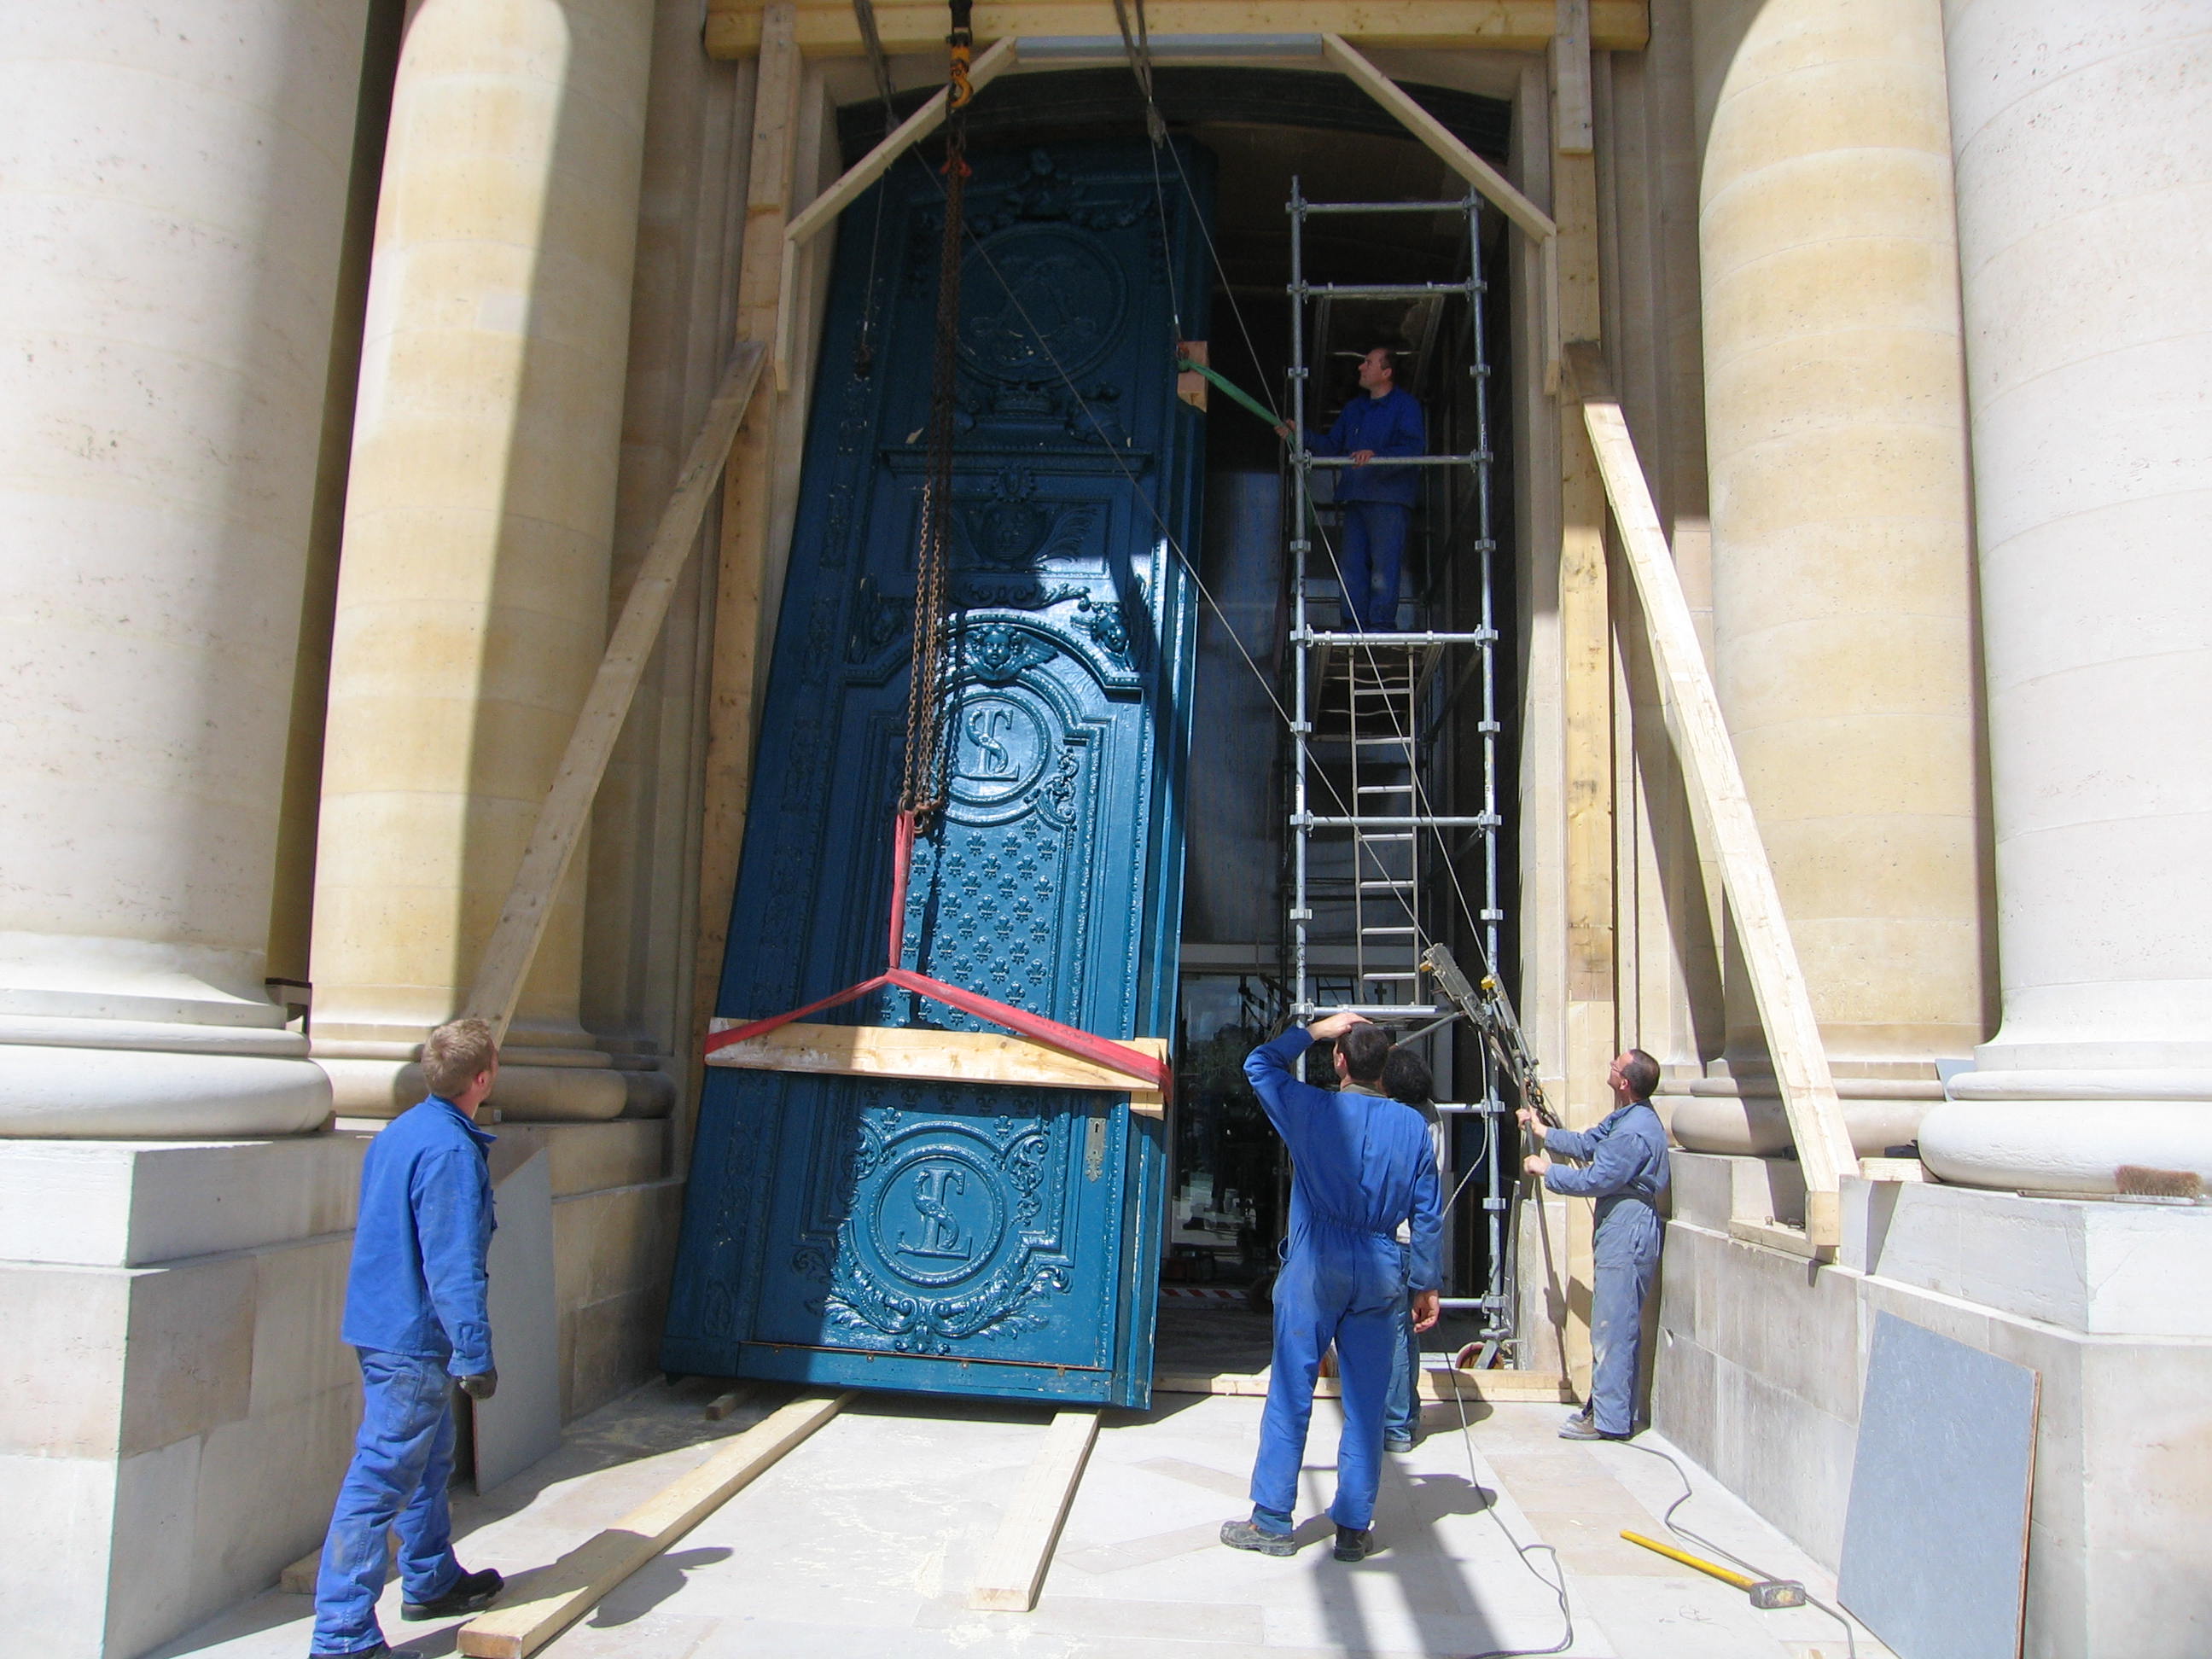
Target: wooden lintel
<point x="1014" y="1566"/>
<point x="942" y="1056"/>
<point x="828" y="28"/>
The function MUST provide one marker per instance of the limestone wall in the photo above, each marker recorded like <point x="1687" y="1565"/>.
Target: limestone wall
<point x="1761" y="1361"/>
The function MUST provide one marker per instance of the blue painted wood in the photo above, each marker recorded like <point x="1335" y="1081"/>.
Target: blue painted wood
<point x="1934" y="1554"/>
<point x="978" y="1239"/>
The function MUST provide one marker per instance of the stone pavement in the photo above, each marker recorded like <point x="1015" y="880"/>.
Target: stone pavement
<point x="862" y="1543"/>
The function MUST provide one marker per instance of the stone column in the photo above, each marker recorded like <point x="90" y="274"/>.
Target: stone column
<point x="472" y="590"/>
<point x="1841" y="552"/>
<point x="172" y="190"/>
<point x="2085" y="213"/>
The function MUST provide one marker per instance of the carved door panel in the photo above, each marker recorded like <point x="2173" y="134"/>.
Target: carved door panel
<point x="980" y="1239"/>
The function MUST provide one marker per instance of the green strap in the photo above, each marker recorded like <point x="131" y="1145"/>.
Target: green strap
<point x="1235" y="393"/>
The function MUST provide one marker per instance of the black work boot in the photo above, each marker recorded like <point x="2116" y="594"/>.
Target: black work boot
<point x="1355" y="1544"/>
<point x="472" y="1592"/>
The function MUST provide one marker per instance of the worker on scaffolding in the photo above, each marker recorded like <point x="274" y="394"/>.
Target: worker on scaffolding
<point x="1377" y="499"/>
<point x="1360" y="1164"/>
<point x="1624" y="1163"/>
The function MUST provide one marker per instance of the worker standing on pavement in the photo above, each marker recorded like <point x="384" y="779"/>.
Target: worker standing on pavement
<point x="1624" y="1163"/>
<point x="1361" y="1164"/>
<point x="414" y="1312"/>
<point x="1378" y="499"/>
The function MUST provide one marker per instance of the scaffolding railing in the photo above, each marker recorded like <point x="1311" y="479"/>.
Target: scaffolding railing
<point x="1379" y="868"/>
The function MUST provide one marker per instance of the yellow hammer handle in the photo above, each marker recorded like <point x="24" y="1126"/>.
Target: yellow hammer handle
<point x="1689" y="1560"/>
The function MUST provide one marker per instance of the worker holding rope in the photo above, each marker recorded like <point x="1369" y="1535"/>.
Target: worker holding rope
<point x="1377" y="499"/>
<point x="1361" y="1164"/>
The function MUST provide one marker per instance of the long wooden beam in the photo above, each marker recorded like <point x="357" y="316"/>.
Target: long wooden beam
<point x="1716" y="788"/>
<point x="1546" y="1387"/>
<point x="917" y="1052"/>
<point x="535" y="1609"/>
<point x="1014" y="1566"/>
<point x="1494" y="186"/>
<point x="567" y="807"/>
<point x="823" y="210"/>
<point x="828" y="28"/>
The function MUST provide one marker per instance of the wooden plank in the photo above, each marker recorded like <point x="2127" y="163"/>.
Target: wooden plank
<point x="1014" y="1566"/>
<point x="1726" y="819"/>
<point x="539" y="1606"/>
<point x="828" y="28"/>
<point x="727" y="1401"/>
<point x="567" y="807"/>
<point x="956" y="1056"/>
<point x="742" y="627"/>
<point x="1572" y="128"/>
<point x="1778" y="1236"/>
<point x="1493" y="185"/>
<point x="823" y="210"/>
<point x="1545" y="1387"/>
<point x="1588" y="770"/>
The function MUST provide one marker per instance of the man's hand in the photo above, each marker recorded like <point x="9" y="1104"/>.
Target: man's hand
<point x="1328" y="1030"/>
<point x="1283" y="431"/>
<point x="1536" y="1165"/>
<point x="1534" y="1125"/>
<point x="1361" y="457"/>
<point x="481" y="1386"/>
<point x="1427" y="1309"/>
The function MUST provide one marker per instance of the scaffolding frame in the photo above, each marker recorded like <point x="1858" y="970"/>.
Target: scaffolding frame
<point x="1401" y="689"/>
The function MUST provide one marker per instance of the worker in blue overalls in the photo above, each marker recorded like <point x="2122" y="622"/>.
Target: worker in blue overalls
<point x="1624" y="1167"/>
<point x="416" y="1314"/>
<point x="1378" y="499"/>
<point x="1361" y="1164"/>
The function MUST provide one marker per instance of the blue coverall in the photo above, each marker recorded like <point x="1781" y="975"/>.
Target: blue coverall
<point x="414" y="1311"/>
<point x="1360" y="1164"/>
<point x="1625" y="1159"/>
<point x="1377" y="500"/>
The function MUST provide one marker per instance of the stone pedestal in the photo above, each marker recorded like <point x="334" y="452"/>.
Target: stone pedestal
<point x="175" y="1405"/>
<point x="172" y="190"/>
<point x="472" y="590"/>
<point x="1761" y="1364"/>
<point x="2084" y="217"/>
<point x="1841" y="572"/>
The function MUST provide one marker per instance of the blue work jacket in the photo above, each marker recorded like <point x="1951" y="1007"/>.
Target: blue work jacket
<point x="1389" y="425"/>
<point x="417" y="1284"/>
<point x="1360" y="1163"/>
<point x="1624" y="1158"/>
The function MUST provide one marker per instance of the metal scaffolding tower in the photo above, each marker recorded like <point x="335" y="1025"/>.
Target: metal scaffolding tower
<point x="1379" y="873"/>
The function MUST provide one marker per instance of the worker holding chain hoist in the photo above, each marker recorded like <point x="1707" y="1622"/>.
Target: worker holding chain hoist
<point x="1624" y="1167"/>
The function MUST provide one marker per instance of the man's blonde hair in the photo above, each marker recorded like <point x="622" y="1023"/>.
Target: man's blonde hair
<point x="456" y="1054"/>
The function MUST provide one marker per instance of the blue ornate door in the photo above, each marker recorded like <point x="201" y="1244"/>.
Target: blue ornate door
<point x="973" y="1239"/>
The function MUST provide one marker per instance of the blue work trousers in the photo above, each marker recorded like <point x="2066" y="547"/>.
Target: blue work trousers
<point x="1401" y="1410"/>
<point x="1374" y="548"/>
<point x="1624" y="1262"/>
<point x="401" y="1464"/>
<point x="1349" y="1289"/>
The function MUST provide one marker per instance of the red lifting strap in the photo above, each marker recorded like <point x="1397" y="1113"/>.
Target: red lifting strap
<point x="1100" y="1051"/>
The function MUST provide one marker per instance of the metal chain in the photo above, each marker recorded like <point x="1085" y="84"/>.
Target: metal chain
<point x="928" y="712"/>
